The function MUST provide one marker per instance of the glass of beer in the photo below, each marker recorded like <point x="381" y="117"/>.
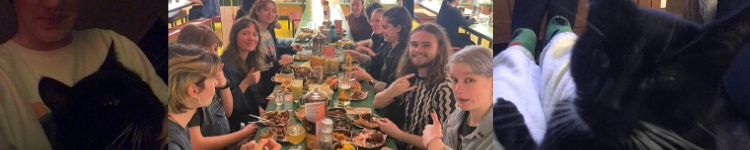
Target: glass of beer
<point x="344" y="89"/>
<point x="295" y="134"/>
<point x="296" y="89"/>
<point x="332" y="65"/>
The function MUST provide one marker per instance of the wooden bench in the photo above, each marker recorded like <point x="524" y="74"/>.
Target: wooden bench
<point x="182" y="15"/>
<point x="173" y="34"/>
<point x="215" y="19"/>
<point x="294" y="19"/>
<point x="422" y="18"/>
<point x="201" y="21"/>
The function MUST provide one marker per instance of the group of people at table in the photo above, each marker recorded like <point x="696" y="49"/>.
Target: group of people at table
<point x="446" y="96"/>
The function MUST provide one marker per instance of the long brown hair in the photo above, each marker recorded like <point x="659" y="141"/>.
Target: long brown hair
<point x="399" y="16"/>
<point x="256" y="7"/>
<point x="199" y="35"/>
<point x="255" y="58"/>
<point x="444" y="51"/>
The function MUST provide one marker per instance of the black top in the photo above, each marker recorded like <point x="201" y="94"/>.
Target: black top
<point x="383" y="67"/>
<point x="451" y="18"/>
<point x="465" y="129"/>
<point x="359" y="27"/>
<point x="244" y="103"/>
<point x="179" y="139"/>
<point x="377" y="41"/>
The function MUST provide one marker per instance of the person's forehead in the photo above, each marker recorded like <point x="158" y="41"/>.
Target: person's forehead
<point x="461" y="69"/>
<point x="423" y="36"/>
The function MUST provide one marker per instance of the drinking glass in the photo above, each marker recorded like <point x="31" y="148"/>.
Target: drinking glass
<point x="279" y="98"/>
<point x="296" y="89"/>
<point x="295" y="134"/>
<point x="344" y="86"/>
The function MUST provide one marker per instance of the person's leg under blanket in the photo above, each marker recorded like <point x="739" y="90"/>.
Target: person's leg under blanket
<point x="516" y="78"/>
<point x="557" y="82"/>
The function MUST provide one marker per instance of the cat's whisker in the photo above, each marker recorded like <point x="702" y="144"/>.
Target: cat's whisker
<point x="122" y="134"/>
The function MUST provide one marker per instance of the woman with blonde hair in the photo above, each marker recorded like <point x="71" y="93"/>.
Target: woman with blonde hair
<point x="209" y="127"/>
<point x="192" y="78"/>
<point x="469" y="126"/>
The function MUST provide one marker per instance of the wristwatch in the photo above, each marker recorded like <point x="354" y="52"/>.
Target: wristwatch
<point x="225" y="86"/>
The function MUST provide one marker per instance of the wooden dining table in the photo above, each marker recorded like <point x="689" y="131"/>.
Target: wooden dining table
<point x="480" y="29"/>
<point x="314" y="13"/>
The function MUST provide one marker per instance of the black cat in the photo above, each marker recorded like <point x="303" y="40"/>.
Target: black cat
<point x="648" y="80"/>
<point x="112" y="108"/>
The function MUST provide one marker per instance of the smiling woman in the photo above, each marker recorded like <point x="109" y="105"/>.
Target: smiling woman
<point x="46" y="65"/>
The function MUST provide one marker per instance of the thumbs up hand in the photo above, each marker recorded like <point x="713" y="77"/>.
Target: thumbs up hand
<point x="434" y="131"/>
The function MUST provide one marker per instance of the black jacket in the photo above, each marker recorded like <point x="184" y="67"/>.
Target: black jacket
<point x="450" y="18"/>
<point x="244" y="103"/>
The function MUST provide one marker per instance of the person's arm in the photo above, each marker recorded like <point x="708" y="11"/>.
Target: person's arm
<point x="214" y="142"/>
<point x="409" y="139"/>
<point x="437" y="144"/>
<point x="227" y="101"/>
<point x="384" y="98"/>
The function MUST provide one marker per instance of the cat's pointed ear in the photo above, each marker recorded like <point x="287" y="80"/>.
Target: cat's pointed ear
<point x="606" y="16"/>
<point x="54" y="94"/>
<point x="111" y="60"/>
<point x="720" y="41"/>
<point x="728" y="33"/>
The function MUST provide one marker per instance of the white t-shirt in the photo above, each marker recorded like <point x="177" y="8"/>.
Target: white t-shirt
<point x="22" y="68"/>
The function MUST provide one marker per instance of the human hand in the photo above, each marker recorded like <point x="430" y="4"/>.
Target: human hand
<point x="388" y="127"/>
<point x="365" y="50"/>
<point x="253" y="77"/>
<point x="360" y="74"/>
<point x="402" y="85"/>
<point x="267" y="143"/>
<point x="220" y="77"/>
<point x="250" y="128"/>
<point x="433" y="131"/>
<point x="286" y="59"/>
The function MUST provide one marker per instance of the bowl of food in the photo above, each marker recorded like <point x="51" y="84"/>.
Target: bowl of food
<point x="301" y="57"/>
<point x="302" y="72"/>
<point x="366" y="121"/>
<point x="276" y="118"/>
<point x="341" y="135"/>
<point x="281" y="78"/>
<point x="343" y="145"/>
<point x="369" y="139"/>
<point x="336" y="112"/>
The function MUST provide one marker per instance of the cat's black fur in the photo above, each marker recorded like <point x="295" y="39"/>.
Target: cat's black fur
<point x="648" y="80"/>
<point x="113" y="108"/>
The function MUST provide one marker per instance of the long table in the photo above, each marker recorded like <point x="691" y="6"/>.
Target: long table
<point x="313" y="12"/>
<point x="482" y="30"/>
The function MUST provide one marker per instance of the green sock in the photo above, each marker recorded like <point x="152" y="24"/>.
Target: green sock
<point x="524" y="37"/>
<point x="557" y="24"/>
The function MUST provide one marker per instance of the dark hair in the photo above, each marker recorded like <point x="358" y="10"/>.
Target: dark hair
<point x="254" y="12"/>
<point x="444" y="51"/>
<point x="399" y="16"/>
<point x="199" y="35"/>
<point x="448" y="1"/>
<point x="371" y="8"/>
<point x="254" y="58"/>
